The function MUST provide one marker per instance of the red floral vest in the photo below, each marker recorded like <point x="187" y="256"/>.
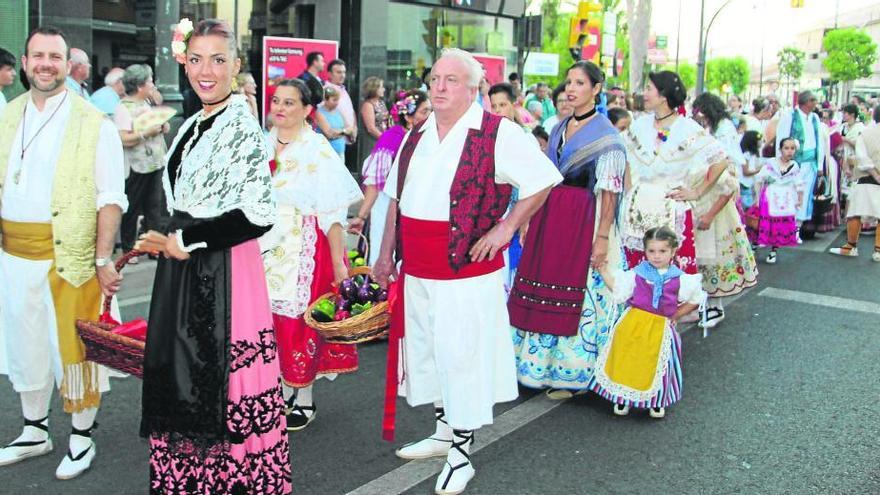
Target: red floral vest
<point x="476" y="201"/>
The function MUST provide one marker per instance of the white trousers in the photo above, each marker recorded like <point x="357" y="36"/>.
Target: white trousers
<point x="457" y="349"/>
<point x="378" y="215"/>
<point x="29" y="352"/>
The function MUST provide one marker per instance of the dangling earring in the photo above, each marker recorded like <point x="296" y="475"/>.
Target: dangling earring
<point x="234" y="84"/>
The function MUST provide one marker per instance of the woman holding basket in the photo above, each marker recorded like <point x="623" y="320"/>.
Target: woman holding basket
<point x="304" y="253"/>
<point x="212" y="406"/>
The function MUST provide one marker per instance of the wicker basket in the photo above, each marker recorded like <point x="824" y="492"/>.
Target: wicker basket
<point x="107" y="348"/>
<point x="370" y="325"/>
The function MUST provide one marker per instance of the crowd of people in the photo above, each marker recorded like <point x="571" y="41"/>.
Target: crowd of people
<point x="570" y="231"/>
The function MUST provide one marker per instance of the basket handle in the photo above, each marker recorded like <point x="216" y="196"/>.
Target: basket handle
<point x="121" y="262"/>
<point x="366" y="243"/>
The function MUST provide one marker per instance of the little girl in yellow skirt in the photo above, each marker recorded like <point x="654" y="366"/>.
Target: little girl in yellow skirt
<point x="640" y="365"/>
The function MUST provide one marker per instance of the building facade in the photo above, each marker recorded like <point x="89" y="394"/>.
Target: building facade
<point x="392" y="39"/>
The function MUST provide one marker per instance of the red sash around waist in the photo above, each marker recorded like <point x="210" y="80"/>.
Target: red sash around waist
<point x="426" y="248"/>
<point x="426" y="244"/>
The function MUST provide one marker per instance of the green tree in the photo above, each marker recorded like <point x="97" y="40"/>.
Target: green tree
<point x="851" y="54"/>
<point x="731" y="71"/>
<point x="687" y="72"/>
<point x="791" y="63"/>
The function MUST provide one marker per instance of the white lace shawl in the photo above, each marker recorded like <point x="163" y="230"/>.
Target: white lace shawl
<point x="227" y="169"/>
<point x="686" y="155"/>
<point x="689" y="149"/>
<point x="312" y="178"/>
<point x="314" y="191"/>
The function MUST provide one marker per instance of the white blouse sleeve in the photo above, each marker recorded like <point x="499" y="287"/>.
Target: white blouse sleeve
<point x="711" y="153"/>
<point x="326" y="220"/>
<point x="727" y="183"/>
<point x="610" y="170"/>
<point x="691" y="289"/>
<point x="863" y="160"/>
<point x="799" y="185"/>
<point x="518" y="162"/>
<point x="764" y="173"/>
<point x="319" y="185"/>
<point x="110" y="168"/>
<point x="624" y="285"/>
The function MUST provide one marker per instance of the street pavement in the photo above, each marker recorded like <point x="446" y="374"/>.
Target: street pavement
<point x="780" y="399"/>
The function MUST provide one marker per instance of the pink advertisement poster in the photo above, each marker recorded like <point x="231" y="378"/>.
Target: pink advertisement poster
<point x="285" y="58"/>
<point x="494" y="66"/>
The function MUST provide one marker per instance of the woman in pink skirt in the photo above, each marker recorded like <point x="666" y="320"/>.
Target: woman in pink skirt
<point x="212" y="404"/>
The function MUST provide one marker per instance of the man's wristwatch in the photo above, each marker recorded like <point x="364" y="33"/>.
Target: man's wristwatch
<point x="99" y="262"/>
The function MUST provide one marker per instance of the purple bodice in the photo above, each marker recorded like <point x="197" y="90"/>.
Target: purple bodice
<point x="643" y="291"/>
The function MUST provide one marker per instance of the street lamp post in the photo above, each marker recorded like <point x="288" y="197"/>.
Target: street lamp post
<point x="701" y="56"/>
<point x="704" y="40"/>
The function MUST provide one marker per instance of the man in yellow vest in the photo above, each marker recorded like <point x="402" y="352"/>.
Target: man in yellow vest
<point x="62" y="195"/>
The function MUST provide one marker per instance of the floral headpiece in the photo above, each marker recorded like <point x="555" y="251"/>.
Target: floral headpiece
<point x="405" y="105"/>
<point x="179" y="38"/>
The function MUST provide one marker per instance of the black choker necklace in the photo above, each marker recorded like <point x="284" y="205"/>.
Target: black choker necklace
<point x="580" y="118"/>
<point x="218" y="101"/>
<point x="282" y="142"/>
<point x="585" y="116"/>
<point x="670" y="114"/>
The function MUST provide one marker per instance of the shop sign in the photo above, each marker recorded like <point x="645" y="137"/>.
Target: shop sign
<point x="285" y="58"/>
<point x="541" y="64"/>
<point x="494" y="67"/>
<point x="657" y="56"/>
<point x="469" y="4"/>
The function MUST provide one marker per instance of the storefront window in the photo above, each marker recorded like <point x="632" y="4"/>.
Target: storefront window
<point x="417" y="34"/>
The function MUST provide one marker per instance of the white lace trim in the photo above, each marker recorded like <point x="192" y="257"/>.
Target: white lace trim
<point x="630" y="394"/>
<point x="227" y="169"/>
<point x="306" y="264"/>
<point x="301" y="263"/>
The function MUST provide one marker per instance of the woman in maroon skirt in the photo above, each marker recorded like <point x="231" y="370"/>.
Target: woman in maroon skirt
<point x="559" y="306"/>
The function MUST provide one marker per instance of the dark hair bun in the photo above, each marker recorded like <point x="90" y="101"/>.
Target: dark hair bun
<point x="669" y="86"/>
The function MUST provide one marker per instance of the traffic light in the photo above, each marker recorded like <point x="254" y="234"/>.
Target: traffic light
<point x="430" y="36"/>
<point x="586" y="31"/>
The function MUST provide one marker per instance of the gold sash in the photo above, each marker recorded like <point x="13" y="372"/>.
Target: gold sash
<point x="33" y="241"/>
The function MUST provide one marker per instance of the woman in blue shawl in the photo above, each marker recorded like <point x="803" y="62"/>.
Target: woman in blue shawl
<point x="560" y="308"/>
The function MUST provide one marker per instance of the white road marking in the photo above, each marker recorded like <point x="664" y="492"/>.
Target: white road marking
<point x="821" y="300"/>
<point x="414" y="472"/>
<point x="821" y="243"/>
